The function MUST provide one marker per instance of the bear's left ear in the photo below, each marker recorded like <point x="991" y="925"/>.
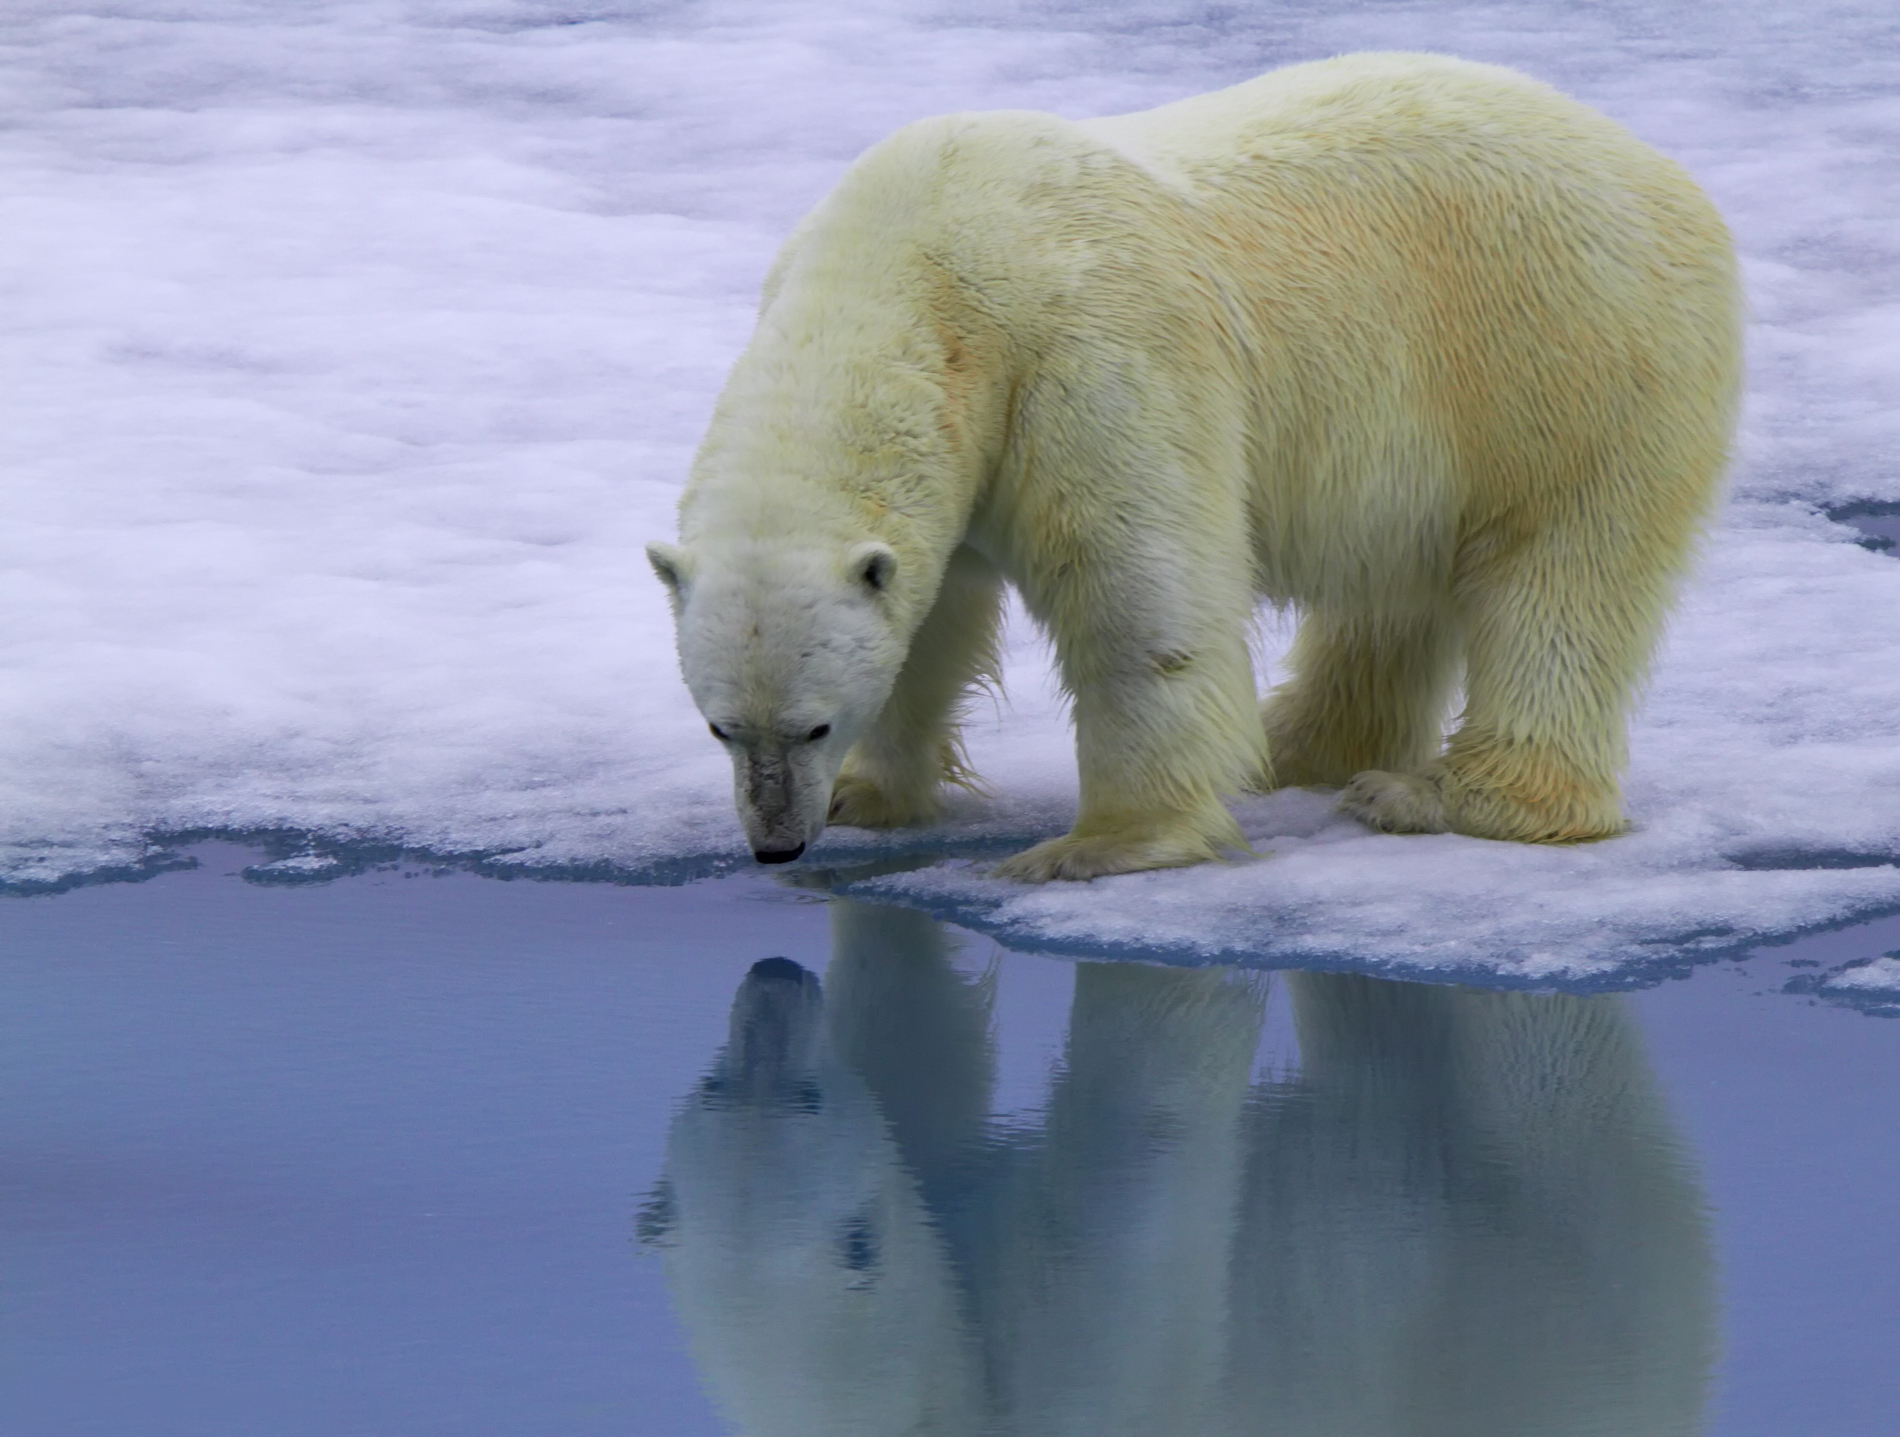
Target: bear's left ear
<point x="673" y="566"/>
<point x="871" y="565"/>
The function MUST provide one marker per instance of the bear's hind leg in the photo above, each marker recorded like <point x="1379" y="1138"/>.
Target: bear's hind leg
<point x="894" y="775"/>
<point x="1558" y="631"/>
<point x="1367" y="691"/>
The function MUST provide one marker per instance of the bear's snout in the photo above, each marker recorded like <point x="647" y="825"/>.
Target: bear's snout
<point x="777" y="1018"/>
<point x="782" y="796"/>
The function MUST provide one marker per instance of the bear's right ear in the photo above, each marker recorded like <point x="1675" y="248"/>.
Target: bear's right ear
<point x="871" y="565"/>
<point x="673" y="566"/>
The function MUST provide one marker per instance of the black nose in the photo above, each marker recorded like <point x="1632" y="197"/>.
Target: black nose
<point x="778" y="970"/>
<point x="777" y="855"/>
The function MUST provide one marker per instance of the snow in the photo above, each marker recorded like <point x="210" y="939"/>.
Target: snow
<point x="354" y="349"/>
<point x="1880" y="975"/>
<point x="1869" y="985"/>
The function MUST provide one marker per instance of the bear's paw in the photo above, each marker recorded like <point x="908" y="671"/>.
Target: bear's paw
<point x="1395" y="802"/>
<point x="1085" y="856"/>
<point x="859" y="803"/>
<point x="1544" y="806"/>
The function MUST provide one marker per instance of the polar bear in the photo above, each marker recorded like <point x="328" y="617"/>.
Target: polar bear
<point x="1421" y="347"/>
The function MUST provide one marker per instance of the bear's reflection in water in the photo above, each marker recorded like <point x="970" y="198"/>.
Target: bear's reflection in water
<point x="1465" y="1214"/>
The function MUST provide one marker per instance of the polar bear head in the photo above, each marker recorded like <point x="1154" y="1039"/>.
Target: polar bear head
<point x="790" y="652"/>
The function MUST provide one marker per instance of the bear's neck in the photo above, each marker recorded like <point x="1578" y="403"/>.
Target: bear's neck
<point x="869" y="405"/>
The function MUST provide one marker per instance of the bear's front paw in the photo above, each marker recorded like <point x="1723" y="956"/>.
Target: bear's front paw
<point x="1096" y="855"/>
<point x="859" y="803"/>
<point x="1395" y="802"/>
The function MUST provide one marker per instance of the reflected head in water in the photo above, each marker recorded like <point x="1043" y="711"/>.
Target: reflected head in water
<point x="814" y="1290"/>
<point x="775" y="1025"/>
<point x="1464" y="1212"/>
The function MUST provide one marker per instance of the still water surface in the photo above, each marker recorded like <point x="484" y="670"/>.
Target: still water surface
<point x="408" y="1154"/>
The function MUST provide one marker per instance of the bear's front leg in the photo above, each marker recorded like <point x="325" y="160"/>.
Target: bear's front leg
<point x="895" y="775"/>
<point x="1164" y="729"/>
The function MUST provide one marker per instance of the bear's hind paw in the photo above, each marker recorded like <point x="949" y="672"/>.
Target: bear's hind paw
<point x="1437" y="801"/>
<point x="1395" y="802"/>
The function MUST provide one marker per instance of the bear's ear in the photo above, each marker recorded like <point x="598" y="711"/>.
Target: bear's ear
<point x="871" y="565"/>
<point x="672" y="565"/>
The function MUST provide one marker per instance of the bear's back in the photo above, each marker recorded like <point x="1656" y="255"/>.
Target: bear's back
<point x="1414" y="235"/>
<point x="1371" y="113"/>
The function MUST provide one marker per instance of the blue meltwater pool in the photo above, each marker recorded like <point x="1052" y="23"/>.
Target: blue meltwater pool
<point x="410" y="1154"/>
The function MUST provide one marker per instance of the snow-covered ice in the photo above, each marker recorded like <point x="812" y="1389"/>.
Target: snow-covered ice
<point x="352" y="350"/>
<point x="1870" y="984"/>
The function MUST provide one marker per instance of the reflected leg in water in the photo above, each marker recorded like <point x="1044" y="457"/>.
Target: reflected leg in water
<point x="917" y="1032"/>
<point x="1104" y="1294"/>
<point x="1468" y="1215"/>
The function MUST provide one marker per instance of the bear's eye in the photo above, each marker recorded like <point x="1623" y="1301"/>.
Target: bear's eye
<point x="858" y="1245"/>
<point x="659" y="1215"/>
<point x="818" y="733"/>
<point x="717" y="732"/>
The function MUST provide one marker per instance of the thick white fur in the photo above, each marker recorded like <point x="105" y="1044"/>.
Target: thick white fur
<point x="1420" y="346"/>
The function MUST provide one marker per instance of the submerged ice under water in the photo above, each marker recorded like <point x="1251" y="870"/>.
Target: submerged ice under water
<point x="355" y="349"/>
